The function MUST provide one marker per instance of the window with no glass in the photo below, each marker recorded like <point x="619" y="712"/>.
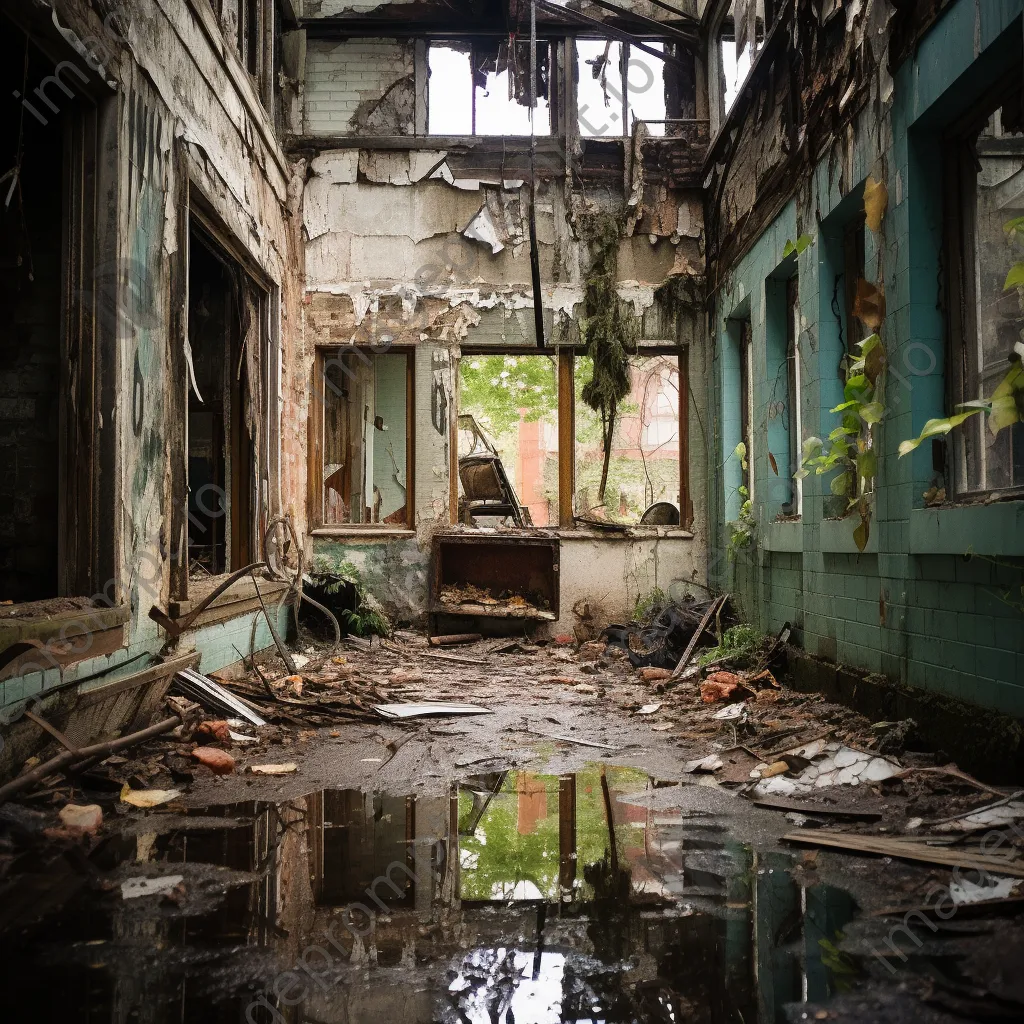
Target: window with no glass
<point x="627" y="464"/>
<point x="483" y="88"/>
<point x="985" y="177"/>
<point x="508" y="440"/>
<point x="365" y="445"/>
<point x="618" y="85"/>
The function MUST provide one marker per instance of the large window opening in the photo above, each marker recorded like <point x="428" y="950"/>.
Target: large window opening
<point x="225" y="413"/>
<point x="618" y="85"/>
<point x="508" y="440"/>
<point x="55" y="309"/>
<point x="741" y="36"/>
<point x="628" y="470"/>
<point x="366" y="440"/>
<point x="483" y="88"/>
<point x="986" y="193"/>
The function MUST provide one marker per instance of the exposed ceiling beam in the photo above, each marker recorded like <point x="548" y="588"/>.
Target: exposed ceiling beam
<point x="686" y="36"/>
<point x="602" y="28"/>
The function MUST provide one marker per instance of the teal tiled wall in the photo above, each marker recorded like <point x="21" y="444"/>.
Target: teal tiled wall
<point x="936" y="599"/>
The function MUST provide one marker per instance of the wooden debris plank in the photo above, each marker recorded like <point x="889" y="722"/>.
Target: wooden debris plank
<point x="713" y="609"/>
<point x="907" y="849"/>
<point x="797" y="807"/>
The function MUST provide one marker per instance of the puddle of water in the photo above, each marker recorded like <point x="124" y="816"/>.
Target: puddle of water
<point x="520" y="898"/>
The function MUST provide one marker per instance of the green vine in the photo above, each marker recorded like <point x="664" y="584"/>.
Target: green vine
<point x="848" y="450"/>
<point x="609" y="332"/>
<point x="742" y="529"/>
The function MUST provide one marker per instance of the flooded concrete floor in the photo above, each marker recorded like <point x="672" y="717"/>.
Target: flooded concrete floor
<point x="474" y="871"/>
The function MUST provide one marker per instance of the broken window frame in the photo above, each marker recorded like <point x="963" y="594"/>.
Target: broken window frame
<point x="967" y="448"/>
<point x="669" y="76"/>
<point x="747" y="402"/>
<point x="89" y="124"/>
<point x="315" y="468"/>
<point x="249" y="507"/>
<point x="472" y="352"/>
<point x="726" y="33"/>
<point x="567" y="430"/>
<point x="793" y="384"/>
<point x="473" y="43"/>
<point x="681" y="498"/>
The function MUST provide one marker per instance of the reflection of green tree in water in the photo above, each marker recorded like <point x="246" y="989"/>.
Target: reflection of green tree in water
<point x="501" y="856"/>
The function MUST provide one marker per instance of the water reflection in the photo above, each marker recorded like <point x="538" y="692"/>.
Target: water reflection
<point x="518" y="897"/>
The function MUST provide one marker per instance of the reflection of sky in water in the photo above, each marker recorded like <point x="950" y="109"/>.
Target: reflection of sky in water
<point x="534" y="1000"/>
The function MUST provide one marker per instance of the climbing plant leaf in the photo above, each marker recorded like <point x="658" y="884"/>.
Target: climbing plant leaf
<point x="876" y="198"/>
<point x="1015" y="278"/>
<point x="936" y="428"/>
<point x="796" y="247"/>
<point x="861" y="533"/>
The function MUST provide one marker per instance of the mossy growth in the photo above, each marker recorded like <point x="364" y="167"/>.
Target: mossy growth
<point x="609" y="329"/>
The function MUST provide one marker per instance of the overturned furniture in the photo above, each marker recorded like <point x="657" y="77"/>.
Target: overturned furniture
<point x="487" y="491"/>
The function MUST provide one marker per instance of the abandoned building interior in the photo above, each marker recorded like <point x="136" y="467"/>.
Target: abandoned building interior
<point x="513" y="510"/>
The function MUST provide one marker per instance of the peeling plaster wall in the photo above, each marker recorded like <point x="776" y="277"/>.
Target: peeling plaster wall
<point x="188" y="118"/>
<point x="426" y="247"/>
<point x="603" y="577"/>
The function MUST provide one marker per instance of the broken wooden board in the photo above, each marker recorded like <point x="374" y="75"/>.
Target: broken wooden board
<point x="907" y="849"/>
<point x="797" y="807"/>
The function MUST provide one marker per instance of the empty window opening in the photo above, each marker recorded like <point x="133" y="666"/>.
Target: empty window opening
<point x="631" y="473"/>
<point x="854" y="270"/>
<point x="508" y="440"/>
<point x="747" y="408"/>
<point x="986" y="173"/>
<point x="741" y="36"/>
<point x="483" y="88"/>
<point x="31" y="329"/>
<point x="224" y="409"/>
<point x="605" y="107"/>
<point x="794" y="505"/>
<point x="366" y="441"/>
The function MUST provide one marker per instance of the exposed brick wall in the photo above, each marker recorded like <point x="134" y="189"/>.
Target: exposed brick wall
<point x="346" y="83"/>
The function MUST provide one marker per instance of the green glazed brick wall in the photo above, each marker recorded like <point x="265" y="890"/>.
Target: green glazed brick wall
<point x="936" y="600"/>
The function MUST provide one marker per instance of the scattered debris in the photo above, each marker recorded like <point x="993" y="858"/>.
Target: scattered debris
<point x="574" y="739"/>
<point x="81" y="817"/>
<point x="963" y="890"/>
<point x="836" y="765"/>
<point x="133" y="888"/>
<point x="429" y="708"/>
<point x="273" y="769"/>
<point x="147" y="797"/>
<point x="455" y="638"/>
<point x="711" y="763"/>
<point x="726" y="686"/>
<point x="910" y="849"/>
<point x="220" y="762"/>
<point x="649" y="709"/>
<point x="212" y="695"/>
